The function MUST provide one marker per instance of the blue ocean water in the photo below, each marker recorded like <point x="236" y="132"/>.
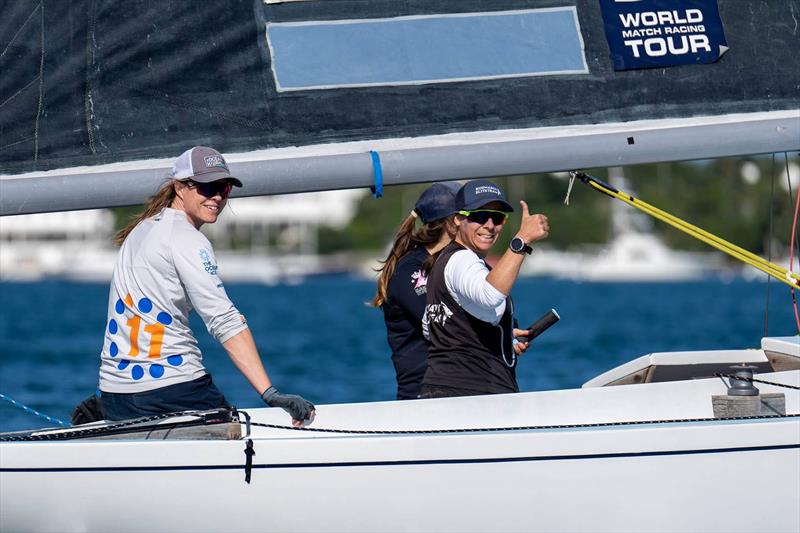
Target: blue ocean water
<point x="319" y="339"/>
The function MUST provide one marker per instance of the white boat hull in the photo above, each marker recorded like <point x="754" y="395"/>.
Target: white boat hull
<point x="640" y="473"/>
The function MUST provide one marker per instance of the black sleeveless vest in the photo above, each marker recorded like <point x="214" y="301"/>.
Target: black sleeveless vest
<point x="466" y="352"/>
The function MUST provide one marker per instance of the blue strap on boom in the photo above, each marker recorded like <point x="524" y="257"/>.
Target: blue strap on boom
<point x="377" y="171"/>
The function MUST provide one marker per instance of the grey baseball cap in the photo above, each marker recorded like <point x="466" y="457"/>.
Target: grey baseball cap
<point x="204" y="165"/>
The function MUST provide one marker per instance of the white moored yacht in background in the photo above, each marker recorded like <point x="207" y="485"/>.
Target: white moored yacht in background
<point x="634" y="253"/>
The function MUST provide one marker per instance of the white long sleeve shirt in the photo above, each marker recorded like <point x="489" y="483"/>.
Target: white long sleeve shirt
<point x="465" y="278"/>
<point x="165" y="268"/>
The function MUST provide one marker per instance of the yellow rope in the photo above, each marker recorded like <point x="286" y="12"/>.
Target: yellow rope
<point x="786" y="276"/>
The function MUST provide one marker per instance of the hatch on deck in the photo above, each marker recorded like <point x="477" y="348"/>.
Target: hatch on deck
<point x="777" y="354"/>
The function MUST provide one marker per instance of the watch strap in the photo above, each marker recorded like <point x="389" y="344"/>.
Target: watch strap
<point x="525" y="247"/>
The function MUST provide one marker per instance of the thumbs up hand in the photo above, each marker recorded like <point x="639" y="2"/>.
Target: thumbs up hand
<point x="533" y="227"/>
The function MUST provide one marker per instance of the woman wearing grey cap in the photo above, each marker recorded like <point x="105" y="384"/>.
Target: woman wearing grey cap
<point x="401" y="291"/>
<point x="151" y="363"/>
<point x="469" y="314"/>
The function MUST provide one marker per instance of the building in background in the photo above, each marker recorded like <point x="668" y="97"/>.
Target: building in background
<point x="275" y="239"/>
<point x="285" y="224"/>
<point x="262" y="239"/>
<point x="71" y="245"/>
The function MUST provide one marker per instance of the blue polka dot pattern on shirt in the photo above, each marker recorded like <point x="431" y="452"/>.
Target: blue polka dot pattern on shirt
<point x="156" y="370"/>
<point x="140" y="370"/>
<point x="145" y="305"/>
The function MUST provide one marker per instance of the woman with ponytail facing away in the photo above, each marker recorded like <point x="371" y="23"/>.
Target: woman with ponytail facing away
<point x="402" y="290"/>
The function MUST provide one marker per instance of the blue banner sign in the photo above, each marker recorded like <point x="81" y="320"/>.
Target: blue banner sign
<point x="419" y="49"/>
<point x="662" y="33"/>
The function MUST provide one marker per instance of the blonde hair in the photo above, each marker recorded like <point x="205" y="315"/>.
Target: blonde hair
<point x="154" y="205"/>
<point x="406" y="240"/>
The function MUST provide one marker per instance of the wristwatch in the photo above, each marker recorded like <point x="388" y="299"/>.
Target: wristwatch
<point x="518" y="246"/>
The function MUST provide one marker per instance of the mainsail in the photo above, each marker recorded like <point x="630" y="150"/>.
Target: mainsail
<point x="103" y="95"/>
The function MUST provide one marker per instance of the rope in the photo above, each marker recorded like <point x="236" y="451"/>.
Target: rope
<point x="769" y="243"/>
<point x="793" y="237"/>
<point x="786" y="276"/>
<point x="754" y="380"/>
<point x="27" y="409"/>
<point x="77" y="432"/>
<point x="107" y="429"/>
<point x="572" y="176"/>
<point x="514" y="428"/>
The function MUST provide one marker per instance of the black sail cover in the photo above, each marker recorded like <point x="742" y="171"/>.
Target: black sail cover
<point x="87" y="82"/>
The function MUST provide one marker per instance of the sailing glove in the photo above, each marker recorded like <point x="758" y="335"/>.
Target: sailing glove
<point x="298" y="407"/>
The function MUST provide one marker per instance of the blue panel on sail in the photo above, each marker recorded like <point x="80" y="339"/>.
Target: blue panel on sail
<point x="425" y="49"/>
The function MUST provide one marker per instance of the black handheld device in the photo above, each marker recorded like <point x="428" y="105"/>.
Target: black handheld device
<point x="540" y="326"/>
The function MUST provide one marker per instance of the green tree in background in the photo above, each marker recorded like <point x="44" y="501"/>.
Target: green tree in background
<point x="712" y="195"/>
<point x="377" y="220"/>
<point x="715" y="196"/>
<point x="729" y="197"/>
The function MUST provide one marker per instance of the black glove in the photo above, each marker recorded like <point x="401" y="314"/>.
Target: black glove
<point x="296" y="406"/>
<point x="89" y="410"/>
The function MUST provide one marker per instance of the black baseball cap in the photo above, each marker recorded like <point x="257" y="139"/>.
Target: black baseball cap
<point x="477" y="193"/>
<point x="437" y="201"/>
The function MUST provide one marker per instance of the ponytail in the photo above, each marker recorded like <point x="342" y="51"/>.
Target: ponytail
<point x="154" y="205"/>
<point x="405" y="240"/>
<point x="427" y="266"/>
<point x="402" y="245"/>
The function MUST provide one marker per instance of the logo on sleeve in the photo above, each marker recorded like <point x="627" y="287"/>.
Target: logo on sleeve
<point x="208" y="265"/>
<point x="420" y="282"/>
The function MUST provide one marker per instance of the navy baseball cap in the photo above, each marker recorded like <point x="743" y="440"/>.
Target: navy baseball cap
<point x="437" y="201"/>
<point x="477" y="193"/>
<point x="204" y="165"/>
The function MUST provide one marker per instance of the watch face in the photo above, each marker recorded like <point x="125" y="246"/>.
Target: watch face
<point x="517" y="244"/>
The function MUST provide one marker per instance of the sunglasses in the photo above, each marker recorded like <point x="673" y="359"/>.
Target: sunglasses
<point x="209" y="190"/>
<point x="481" y="216"/>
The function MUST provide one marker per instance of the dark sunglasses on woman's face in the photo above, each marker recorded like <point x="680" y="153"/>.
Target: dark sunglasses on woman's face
<point x="210" y="190"/>
<point x="480" y="216"/>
